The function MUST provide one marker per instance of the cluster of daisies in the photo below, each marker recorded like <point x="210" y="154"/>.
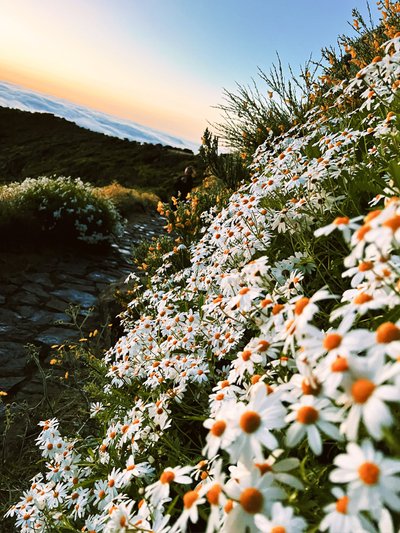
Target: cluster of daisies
<point x="240" y="394"/>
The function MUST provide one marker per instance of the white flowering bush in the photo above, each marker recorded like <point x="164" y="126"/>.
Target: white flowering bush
<point x="59" y="207"/>
<point x="259" y="388"/>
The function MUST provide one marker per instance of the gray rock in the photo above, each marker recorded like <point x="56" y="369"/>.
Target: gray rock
<point x="101" y="277"/>
<point x="85" y="286"/>
<point x="56" y="304"/>
<point x="12" y="359"/>
<point x="37" y="290"/>
<point x="27" y="298"/>
<point x="84" y="299"/>
<point x="42" y="278"/>
<point x="5" y="328"/>
<point x="8" y="383"/>
<point x="41" y="317"/>
<point x="57" y="335"/>
<point x="7" y="288"/>
<point x="7" y="316"/>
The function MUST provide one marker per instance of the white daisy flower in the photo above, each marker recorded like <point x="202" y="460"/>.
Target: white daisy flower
<point x="309" y="417"/>
<point x="367" y="392"/>
<point x="343" y="517"/>
<point x="282" y="520"/>
<point x="159" y="490"/>
<point x="253" y="424"/>
<point x="371" y="477"/>
<point x="254" y="495"/>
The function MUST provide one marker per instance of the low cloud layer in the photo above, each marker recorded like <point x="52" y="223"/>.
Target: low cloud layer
<point x="18" y="97"/>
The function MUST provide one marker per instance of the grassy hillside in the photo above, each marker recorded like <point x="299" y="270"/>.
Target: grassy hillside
<point x="37" y="144"/>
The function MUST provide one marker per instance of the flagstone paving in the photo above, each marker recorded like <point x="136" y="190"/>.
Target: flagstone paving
<point x="36" y="288"/>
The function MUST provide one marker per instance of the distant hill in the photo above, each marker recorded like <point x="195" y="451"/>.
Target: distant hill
<point x="37" y="144"/>
<point x="17" y="97"/>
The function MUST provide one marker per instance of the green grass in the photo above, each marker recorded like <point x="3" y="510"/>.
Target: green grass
<point x="37" y="144"/>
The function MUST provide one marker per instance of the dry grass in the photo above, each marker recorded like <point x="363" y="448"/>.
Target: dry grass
<point x="127" y="200"/>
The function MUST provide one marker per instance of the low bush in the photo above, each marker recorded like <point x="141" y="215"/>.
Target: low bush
<point x="56" y="208"/>
<point x="127" y="201"/>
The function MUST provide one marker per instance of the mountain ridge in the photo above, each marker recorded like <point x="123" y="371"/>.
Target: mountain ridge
<point x="17" y="97"/>
<point x="34" y="144"/>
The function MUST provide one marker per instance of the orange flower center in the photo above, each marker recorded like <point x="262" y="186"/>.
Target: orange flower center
<point x="340" y="364"/>
<point x="167" y="477"/>
<point x="250" y="421"/>
<point x="369" y="473"/>
<point x="362" y="298"/>
<point x="218" y="428"/>
<point x="307" y="415"/>
<point x="266" y="302"/>
<point x="363" y="231"/>
<point x="362" y="389"/>
<point x="123" y="521"/>
<point x="341" y="505"/>
<point x="365" y="265"/>
<point x="387" y="332"/>
<point x="392" y="223"/>
<point x="372" y="214"/>
<point x="213" y="494"/>
<point x="246" y="355"/>
<point x="245" y="290"/>
<point x="189" y="498"/>
<point x="341" y="220"/>
<point x="264" y="467"/>
<point x="311" y="388"/>
<point x="251" y="500"/>
<point x="300" y="305"/>
<point x="228" y="506"/>
<point x="263" y="346"/>
<point x="278" y="529"/>
<point x="277" y="308"/>
<point x="332" y="341"/>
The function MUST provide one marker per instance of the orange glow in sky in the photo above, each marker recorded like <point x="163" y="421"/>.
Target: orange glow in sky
<point x="72" y="61"/>
<point x="161" y="63"/>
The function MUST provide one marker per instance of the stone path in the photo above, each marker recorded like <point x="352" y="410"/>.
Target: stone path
<point x="36" y="287"/>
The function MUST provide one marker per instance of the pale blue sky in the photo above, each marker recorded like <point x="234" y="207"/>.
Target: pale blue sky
<point x="162" y="63"/>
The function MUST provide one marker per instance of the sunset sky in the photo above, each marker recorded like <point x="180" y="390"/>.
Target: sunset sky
<point x="162" y="63"/>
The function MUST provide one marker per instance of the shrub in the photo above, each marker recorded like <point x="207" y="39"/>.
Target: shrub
<point x="127" y="200"/>
<point x="56" y="208"/>
<point x="229" y="168"/>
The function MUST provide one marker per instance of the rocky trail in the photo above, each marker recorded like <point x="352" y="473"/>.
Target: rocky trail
<point x="36" y="288"/>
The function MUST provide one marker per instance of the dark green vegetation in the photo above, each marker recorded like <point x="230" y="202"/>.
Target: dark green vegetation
<point x="50" y="209"/>
<point x="40" y="144"/>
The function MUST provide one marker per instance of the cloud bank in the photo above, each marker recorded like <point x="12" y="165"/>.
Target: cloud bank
<point x="18" y="97"/>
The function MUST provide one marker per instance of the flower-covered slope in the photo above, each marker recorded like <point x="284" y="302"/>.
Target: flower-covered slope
<point x="259" y="389"/>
